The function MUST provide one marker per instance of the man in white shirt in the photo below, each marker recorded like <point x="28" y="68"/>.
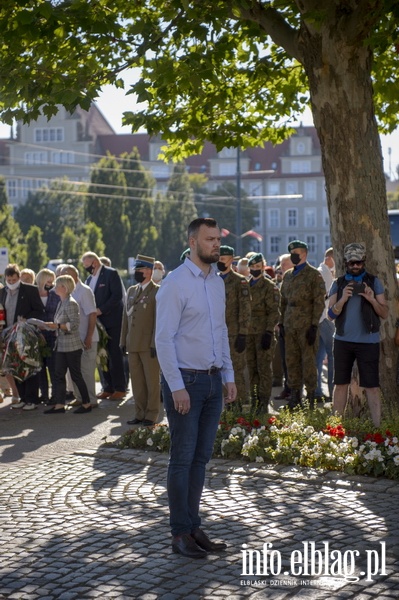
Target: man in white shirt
<point x="193" y="351"/>
<point x="88" y="334"/>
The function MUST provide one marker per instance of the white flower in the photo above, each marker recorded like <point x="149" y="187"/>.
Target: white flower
<point x="396" y="460"/>
<point x="150" y="442"/>
<point x="234" y="431"/>
<point x="259" y="459"/>
<point x="394" y="440"/>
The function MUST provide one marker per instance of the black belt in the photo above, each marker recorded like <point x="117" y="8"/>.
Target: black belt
<point x="210" y="371"/>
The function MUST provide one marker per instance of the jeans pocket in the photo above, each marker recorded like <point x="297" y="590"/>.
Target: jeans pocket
<point x="188" y="378"/>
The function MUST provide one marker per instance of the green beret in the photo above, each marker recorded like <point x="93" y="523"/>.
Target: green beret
<point x="255" y="259"/>
<point x="226" y="251"/>
<point x="296" y="244"/>
<point x="185" y="254"/>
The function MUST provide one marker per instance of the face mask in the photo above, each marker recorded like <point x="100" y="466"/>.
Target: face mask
<point x="48" y="287"/>
<point x="90" y="269"/>
<point x="221" y="266"/>
<point x="255" y="273"/>
<point x="13" y="286"/>
<point x="139" y="276"/>
<point x="157" y="275"/>
<point x="295" y="259"/>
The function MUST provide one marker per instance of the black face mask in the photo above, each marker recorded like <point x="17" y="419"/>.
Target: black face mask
<point x="139" y="276"/>
<point x="295" y="259"/>
<point x="221" y="266"/>
<point x="255" y="272"/>
<point x="48" y="287"/>
<point x="90" y="269"/>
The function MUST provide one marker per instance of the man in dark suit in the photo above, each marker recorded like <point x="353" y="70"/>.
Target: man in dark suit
<point x="22" y="300"/>
<point x="108" y="292"/>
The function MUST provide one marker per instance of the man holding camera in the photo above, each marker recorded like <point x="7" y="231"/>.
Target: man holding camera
<point x="357" y="303"/>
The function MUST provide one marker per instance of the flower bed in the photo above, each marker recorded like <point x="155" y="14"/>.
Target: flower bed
<point x="305" y="438"/>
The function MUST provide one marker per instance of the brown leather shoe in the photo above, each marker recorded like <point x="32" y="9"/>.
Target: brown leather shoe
<point x="186" y="546"/>
<point x="203" y="541"/>
<point x="117" y="396"/>
<point x="104" y="395"/>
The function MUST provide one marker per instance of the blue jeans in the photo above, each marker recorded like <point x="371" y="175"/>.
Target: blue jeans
<point x="326" y="331"/>
<point x="192" y="438"/>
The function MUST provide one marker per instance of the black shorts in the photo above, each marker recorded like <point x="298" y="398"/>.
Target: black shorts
<point x="367" y="356"/>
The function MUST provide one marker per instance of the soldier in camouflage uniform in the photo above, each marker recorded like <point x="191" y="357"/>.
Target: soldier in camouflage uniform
<point x="261" y="339"/>
<point x="238" y="317"/>
<point x="302" y="302"/>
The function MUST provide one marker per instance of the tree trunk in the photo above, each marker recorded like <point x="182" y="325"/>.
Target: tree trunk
<point x="342" y="105"/>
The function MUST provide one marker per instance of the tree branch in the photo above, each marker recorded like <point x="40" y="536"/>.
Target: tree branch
<point x="274" y="25"/>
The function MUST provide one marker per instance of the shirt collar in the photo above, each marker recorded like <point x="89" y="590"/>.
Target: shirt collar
<point x="196" y="270"/>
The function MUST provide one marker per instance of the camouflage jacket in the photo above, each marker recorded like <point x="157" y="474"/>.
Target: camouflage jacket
<point x="238" y="303"/>
<point x="264" y="307"/>
<point x="302" y="297"/>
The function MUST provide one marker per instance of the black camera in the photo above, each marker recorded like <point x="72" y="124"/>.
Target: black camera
<point x="358" y="287"/>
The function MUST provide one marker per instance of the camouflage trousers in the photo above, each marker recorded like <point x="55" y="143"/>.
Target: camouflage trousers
<point x="259" y="363"/>
<point x="239" y="361"/>
<point x="300" y="359"/>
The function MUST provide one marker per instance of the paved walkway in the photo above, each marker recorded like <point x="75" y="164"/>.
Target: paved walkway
<point x="79" y="521"/>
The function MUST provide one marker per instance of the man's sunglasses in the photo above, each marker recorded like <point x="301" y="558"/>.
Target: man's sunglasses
<point x="353" y="263"/>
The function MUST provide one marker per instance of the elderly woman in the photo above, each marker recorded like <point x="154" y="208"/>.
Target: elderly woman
<point x="68" y="347"/>
<point x="45" y="282"/>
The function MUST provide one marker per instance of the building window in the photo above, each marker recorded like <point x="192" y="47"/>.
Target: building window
<point x="11" y="188"/>
<point x="310" y="217"/>
<point x="273" y="188"/>
<point x="291" y="188"/>
<point x="228" y="168"/>
<point x="311" y="242"/>
<point x="63" y="158"/>
<point x="35" y="158"/>
<point x="291" y="238"/>
<point x="274" y="245"/>
<point x="310" y="190"/>
<point x="300" y="166"/>
<point x="49" y="134"/>
<point x="292" y="217"/>
<point x="274" y="218"/>
<point x="26" y="187"/>
<point x="327" y="242"/>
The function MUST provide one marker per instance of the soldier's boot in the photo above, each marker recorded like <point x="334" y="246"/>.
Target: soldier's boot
<point x="262" y="406"/>
<point x="295" y="399"/>
<point x="312" y="400"/>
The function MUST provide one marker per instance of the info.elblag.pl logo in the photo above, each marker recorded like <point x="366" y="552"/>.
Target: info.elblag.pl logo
<point x="315" y="561"/>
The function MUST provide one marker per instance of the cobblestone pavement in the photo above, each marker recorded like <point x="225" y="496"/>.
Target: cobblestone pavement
<point x="93" y="524"/>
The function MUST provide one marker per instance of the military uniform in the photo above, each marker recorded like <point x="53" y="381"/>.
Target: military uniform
<point x="238" y="319"/>
<point x="138" y="337"/>
<point x="302" y="303"/>
<point x="264" y="318"/>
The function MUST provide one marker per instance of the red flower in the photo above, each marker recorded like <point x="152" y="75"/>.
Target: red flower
<point x="377" y="437"/>
<point x="256" y="423"/>
<point x="388" y="433"/>
<point x="272" y="420"/>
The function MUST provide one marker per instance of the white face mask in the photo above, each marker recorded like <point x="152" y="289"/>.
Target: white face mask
<point x="13" y="286"/>
<point x="157" y="275"/>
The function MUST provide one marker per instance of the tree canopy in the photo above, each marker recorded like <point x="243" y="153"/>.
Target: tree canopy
<point x="211" y="70"/>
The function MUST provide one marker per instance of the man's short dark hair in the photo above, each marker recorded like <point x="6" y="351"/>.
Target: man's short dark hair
<point x="194" y="226"/>
<point x="12" y="269"/>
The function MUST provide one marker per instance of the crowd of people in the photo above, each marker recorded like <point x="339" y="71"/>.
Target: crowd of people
<point x="218" y="329"/>
<point x="281" y="322"/>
